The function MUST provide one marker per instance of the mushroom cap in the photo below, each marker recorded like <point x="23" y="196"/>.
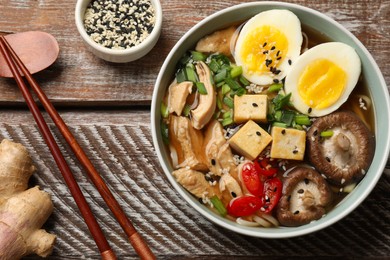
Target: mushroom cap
<point x="345" y="156"/>
<point x="304" y="197"/>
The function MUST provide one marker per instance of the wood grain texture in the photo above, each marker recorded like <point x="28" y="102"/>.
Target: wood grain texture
<point x="79" y="78"/>
<point x="118" y="141"/>
<point x="122" y="150"/>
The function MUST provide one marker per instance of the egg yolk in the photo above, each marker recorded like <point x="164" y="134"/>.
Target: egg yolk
<point x="263" y="49"/>
<point x="321" y="83"/>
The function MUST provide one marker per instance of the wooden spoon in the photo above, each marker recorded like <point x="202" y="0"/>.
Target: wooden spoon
<point x="38" y="50"/>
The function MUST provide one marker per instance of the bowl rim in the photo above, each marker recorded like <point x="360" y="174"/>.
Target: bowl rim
<point x="81" y="6"/>
<point x="353" y="198"/>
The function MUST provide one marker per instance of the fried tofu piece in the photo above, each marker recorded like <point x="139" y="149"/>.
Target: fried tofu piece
<point x="288" y="143"/>
<point x="250" y="140"/>
<point x="250" y="107"/>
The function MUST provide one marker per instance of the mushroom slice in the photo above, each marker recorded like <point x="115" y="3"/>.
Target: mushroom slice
<point x="345" y="156"/>
<point x="187" y="143"/>
<point x="304" y="198"/>
<point x="177" y="96"/>
<point x="195" y="182"/>
<point x="218" y="41"/>
<point x="219" y="157"/>
<point x="202" y="114"/>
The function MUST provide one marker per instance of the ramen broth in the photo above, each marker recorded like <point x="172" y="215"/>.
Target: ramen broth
<point x="353" y="104"/>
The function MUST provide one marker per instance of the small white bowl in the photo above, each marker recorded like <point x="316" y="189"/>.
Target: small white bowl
<point x="115" y="55"/>
<point x="332" y="30"/>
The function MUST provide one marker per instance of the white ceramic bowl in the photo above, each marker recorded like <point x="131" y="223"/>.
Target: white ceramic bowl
<point x="119" y="56"/>
<point x="334" y="31"/>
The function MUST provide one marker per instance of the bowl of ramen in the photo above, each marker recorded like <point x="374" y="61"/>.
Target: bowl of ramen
<point x="271" y="119"/>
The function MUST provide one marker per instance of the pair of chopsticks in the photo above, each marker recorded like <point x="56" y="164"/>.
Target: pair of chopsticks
<point x="16" y="65"/>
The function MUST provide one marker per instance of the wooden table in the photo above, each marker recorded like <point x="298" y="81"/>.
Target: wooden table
<point x="107" y="108"/>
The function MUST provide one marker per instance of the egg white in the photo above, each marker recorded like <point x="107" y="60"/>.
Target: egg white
<point x="289" y="25"/>
<point x="344" y="56"/>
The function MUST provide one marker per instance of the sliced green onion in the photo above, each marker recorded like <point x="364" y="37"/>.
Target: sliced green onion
<point x="186" y="110"/>
<point x="201" y="88"/>
<point x="191" y="74"/>
<point x="198" y="56"/>
<point x="227" y="114"/>
<point x="185" y="59"/>
<point x="279" y="124"/>
<point x="227" y="121"/>
<point x="239" y="92"/>
<point x="220" y="76"/>
<point x="275" y="87"/>
<point x="214" y="66"/>
<point x="287" y="117"/>
<point x="181" y="76"/>
<point x="281" y="101"/>
<point x="165" y="132"/>
<point x="228" y="101"/>
<point x="278" y="115"/>
<point x="164" y="110"/>
<point x="326" y="133"/>
<point x="244" y="81"/>
<point x="302" y="120"/>
<point x="216" y="114"/>
<point x="225" y="89"/>
<point x="219" y="103"/>
<point x="236" y="71"/>
<point x="232" y="83"/>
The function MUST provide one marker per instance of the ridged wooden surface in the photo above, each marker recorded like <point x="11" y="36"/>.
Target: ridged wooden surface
<point x="107" y="108"/>
<point x="122" y="150"/>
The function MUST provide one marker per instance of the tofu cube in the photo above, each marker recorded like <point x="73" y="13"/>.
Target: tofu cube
<point x="288" y="143"/>
<point x="250" y="107"/>
<point x="250" y="140"/>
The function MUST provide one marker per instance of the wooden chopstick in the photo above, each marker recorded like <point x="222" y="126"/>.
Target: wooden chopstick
<point x="101" y="242"/>
<point x="134" y="237"/>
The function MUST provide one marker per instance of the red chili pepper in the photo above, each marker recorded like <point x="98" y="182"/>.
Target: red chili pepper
<point x="265" y="168"/>
<point x="251" y="179"/>
<point x="244" y="206"/>
<point x="272" y="193"/>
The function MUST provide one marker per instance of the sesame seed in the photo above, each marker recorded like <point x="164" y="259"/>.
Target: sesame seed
<point x="327" y="158"/>
<point x="265" y="44"/>
<point x="296" y="212"/>
<point x="283" y="131"/>
<point x="300" y="191"/>
<point x="309" y="110"/>
<point x="273" y="48"/>
<point x="268" y="62"/>
<point x="212" y="162"/>
<point x="233" y="194"/>
<point x="276" y="81"/>
<point x="255" y="104"/>
<point x="289" y="62"/>
<point x="306" y="181"/>
<point x="277" y="54"/>
<point x="258" y="133"/>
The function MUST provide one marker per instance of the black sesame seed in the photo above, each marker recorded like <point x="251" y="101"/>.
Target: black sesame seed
<point x="306" y="181"/>
<point x="265" y="44"/>
<point x="295" y="151"/>
<point x="315" y="132"/>
<point x="277" y="54"/>
<point x="212" y="161"/>
<point x="273" y="48"/>
<point x="276" y="81"/>
<point x="268" y="62"/>
<point x="255" y="104"/>
<point x="309" y="110"/>
<point x="233" y="194"/>
<point x="327" y="158"/>
<point x="289" y="198"/>
<point x="265" y="52"/>
<point x="296" y="212"/>
<point x="275" y="189"/>
<point x="300" y="191"/>
<point x="258" y="133"/>
<point x="283" y="131"/>
<point x="278" y="58"/>
<point x="289" y="62"/>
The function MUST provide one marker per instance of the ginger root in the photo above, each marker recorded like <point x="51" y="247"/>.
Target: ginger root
<point x="22" y="212"/>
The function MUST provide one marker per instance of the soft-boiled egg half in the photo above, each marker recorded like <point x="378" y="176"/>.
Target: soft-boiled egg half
<point x="322" y="78"/>
<point x="267" y="45"/>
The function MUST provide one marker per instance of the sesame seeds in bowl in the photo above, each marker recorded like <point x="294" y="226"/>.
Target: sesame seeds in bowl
<point x="119" y="31"/>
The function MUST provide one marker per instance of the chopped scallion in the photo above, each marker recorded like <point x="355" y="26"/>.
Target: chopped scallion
<point x="228" y="101"/>
<point x="326" y="133"/>
<point x="232" y="83"/>
<point x="287" y="117"/>
<point x="181" y="76"/>
<point x="236" y="71"/>
<point x="244" y="81"/>
<point x="191" y="74"/>
<point x="201" y="88"/>
<point x="225" y="89"/>
<point x="219" y="103"/>
<point x="218" y="205"/>
<point x="227" y="121"/>
<point x="214" y="66"/>
<point x="220" y="76"/>
<point x="198" y="56"/>
<point x="186" y="110"/>
<point x="275" y="87"/>
<point x="164" y="110"/>
<point x="165" y="132"/>
<point x="227" y="114"/>
<point x="279" y="124"/>
<point x="302" y="120"/>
